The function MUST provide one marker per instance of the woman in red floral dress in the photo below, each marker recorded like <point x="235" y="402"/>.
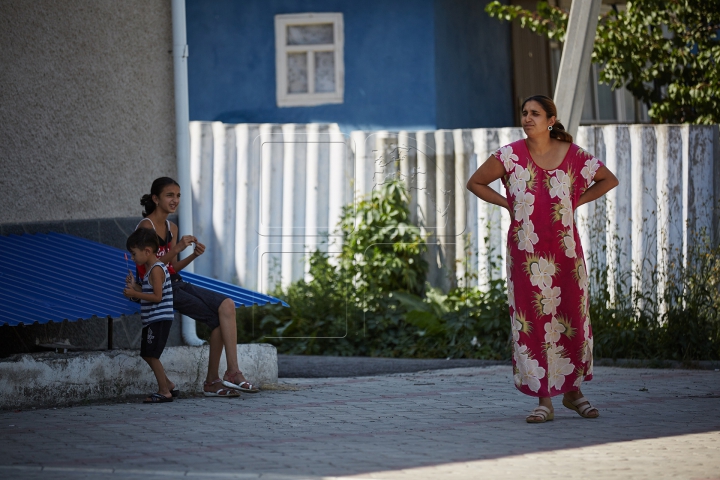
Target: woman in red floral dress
<point x="546" y="178"/>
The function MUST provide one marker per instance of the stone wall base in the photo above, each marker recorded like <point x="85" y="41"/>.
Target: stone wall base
<point x="48" y="379"/>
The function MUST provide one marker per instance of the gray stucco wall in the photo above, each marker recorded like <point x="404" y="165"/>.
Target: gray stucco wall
<point x="86" y="107"/>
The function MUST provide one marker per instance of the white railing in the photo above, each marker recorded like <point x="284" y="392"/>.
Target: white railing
<point x="265" y="195"/>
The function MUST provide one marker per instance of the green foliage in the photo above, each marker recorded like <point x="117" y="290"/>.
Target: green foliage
<point x="684" y="324"/>
<point x="666" y="53"/>
<point x="373" y="299"/>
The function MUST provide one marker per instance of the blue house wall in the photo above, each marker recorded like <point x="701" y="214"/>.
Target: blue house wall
<point x="473" y="67"/>
<point x="395" y="75"/>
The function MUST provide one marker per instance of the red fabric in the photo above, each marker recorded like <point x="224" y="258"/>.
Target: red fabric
<point x="546" y="271"/>
<point x="161" y="251"/>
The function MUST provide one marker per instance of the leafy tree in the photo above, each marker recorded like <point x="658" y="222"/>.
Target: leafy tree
<point x="665" y="52"/>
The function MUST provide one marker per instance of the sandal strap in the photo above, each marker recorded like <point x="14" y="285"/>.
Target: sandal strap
<point x="540" y="411"/>
<point x="586" y="408"/>
<point x="580" y="400"/>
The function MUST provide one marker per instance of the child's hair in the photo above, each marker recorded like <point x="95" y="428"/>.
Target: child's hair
<point x="156" y="189"/>
<point x="143" y="238"/>
<point x="558" y="130"/>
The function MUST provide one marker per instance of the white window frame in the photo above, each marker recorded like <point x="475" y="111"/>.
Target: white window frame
<point x="285" y="99"/>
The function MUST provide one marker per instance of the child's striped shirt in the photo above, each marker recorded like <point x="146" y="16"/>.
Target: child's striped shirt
<point x="151" y="312"/>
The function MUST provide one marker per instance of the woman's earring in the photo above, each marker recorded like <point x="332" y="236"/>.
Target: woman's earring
<point x="549" y="127"/>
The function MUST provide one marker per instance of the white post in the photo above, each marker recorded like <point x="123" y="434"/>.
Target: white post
<point x="182" y="133"/>
<point x="575" y="63"/>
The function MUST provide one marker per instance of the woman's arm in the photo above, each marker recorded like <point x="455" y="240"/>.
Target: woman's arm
<point x="479" y="183"/>
<point x="184" y="242"/>
<point x="604" y="182"/>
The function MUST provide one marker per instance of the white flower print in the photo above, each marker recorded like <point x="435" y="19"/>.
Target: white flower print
<point x="558" y="367"/>
<point x="508" y="158"/>
<point x="578" y="381"/>
<point x="519" y="352"/>
<point x="588" y="171"/>
<point x="587" y="352"/>
<point x="527" y="237"/>
<point x="518" y="180"/>
<point x="569" y="243"/>
<point x="541" y="273"/>
<point x="553" y="329"/>
<point x="511" y="293"/>
<point x="582" y="277"/>
<point x="530" y="373"/>
<point x="566" y="212"/>
<point x="524" y="206"/>
<point x="560" y="185"/>
<point x="550" y="300"/>
<point x="516" y="327"/>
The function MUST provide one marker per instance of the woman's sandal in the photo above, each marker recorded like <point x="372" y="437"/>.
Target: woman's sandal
<point x="223" y="392"/>
<point x="157" y="398"/>
<point x="543" y="413"/>
<point x="582" y="410"/>
<point x="243" y="386"/>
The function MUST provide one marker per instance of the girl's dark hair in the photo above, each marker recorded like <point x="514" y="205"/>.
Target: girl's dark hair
<point x="558" y="130"/>
<point x="143" y="238"/>
<point x="156" y="189"/>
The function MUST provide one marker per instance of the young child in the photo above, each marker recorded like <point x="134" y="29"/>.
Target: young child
<point x="156" y="301"/>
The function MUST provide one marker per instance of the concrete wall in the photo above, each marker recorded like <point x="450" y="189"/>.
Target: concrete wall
<point x="402" y="69"/>
<point x="47" y="379"/>
<point x="86" y="107"/>
<point x="264" y="195"/>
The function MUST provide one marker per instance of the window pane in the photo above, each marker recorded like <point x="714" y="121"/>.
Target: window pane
<point x="324" y="72"/>
<point x="606" y="102"/>
<point x="297" y="73"/>
<point x="310" y="34"/>
<point x="629" y="106"/>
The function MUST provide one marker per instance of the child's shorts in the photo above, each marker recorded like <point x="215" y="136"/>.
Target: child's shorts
<point x="154" y="338"/>
<point x="198" y="303"/>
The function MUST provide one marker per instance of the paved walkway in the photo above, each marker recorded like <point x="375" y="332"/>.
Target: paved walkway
<point x="457" y="424"/>
<point x="319" y="366"/>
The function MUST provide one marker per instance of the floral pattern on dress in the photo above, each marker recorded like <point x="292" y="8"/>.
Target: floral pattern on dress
<point x="546" y="272"/>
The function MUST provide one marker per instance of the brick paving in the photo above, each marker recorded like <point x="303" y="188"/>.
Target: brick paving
<point x="463" y="423"/>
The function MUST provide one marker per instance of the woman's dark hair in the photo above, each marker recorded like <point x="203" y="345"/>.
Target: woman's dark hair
<point x="156" y="189"/>
<point x="143" y="238"/>
<point x="558" y="130"/>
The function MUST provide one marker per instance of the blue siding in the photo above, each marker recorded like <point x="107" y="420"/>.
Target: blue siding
<point x="473" y="66"/>
<point x="409" y="64"/>
<point x="56" y="277"/>
<point x="389" y="63"/>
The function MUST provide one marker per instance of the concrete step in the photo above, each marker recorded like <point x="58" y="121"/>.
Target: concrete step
<point x="44" y="379"/>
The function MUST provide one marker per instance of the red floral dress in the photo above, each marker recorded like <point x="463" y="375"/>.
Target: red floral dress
<point x="546" y="274"/>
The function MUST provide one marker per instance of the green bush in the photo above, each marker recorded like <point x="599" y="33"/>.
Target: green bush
<point x="683" y="325"/>
<point x="372" y="300"/>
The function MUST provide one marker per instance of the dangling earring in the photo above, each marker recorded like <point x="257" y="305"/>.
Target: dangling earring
<point x="549" y="127"/>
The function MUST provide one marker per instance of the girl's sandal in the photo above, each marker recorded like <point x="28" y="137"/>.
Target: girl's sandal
<point x="581" y="410"/>
<point x="540" y="415"/>
<point x="222" y="392"/>
<point x="243" y="386"/>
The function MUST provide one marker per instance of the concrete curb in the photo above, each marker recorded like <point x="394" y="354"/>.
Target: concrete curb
<point x="45" y="379"/>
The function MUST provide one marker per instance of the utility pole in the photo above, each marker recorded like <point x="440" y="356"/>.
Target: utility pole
<point x="575" y="62"/>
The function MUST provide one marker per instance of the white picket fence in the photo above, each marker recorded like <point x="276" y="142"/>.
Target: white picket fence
<point x="265" y="195"/>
